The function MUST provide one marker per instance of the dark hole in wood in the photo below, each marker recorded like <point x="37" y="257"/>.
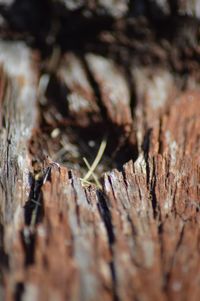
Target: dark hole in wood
<point x="28" y="242"/>
<point x="34" y="199"/>
<point x="75" y="140"/>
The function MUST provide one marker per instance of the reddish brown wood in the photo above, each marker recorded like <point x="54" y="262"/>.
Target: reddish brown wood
<point x="137" y="237"/>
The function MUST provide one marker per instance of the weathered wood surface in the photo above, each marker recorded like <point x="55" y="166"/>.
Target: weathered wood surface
<point x="137" y="238"/>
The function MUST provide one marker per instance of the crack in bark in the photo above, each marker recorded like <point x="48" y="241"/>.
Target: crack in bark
<point x="107" y="219"/>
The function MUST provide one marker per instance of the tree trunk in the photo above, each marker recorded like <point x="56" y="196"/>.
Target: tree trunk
<point x="123" y="76"/>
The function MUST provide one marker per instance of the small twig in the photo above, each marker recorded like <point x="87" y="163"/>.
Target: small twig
<point x="85" y="181"/>
<point x="46" y="175"/>
<point x="93" y="174"/>
<point x="96" y="161"/>
<point x="35" y="202"/>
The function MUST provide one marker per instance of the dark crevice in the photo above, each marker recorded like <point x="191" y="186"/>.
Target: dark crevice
<point x="107" y="219"/>
<point x="106" y="216"/>
<point x="70" y="174"/>
<point x="114" y="280"/>
<point x="33" y="209"/>
<point x="125" y="179"/>
<point x="127" y="142"/>
<point x="56" y="90"/>
<point x="19" y="290"/>
<point x="4" y="259"/>
<point x="96" y="90"/>
<point x="34" y="203"/>
<point x="153" y="192"/>
<point x="28" y="243"/>
<point x="173" y="7"/>
<point x="151" y="182"/>
<point x="137" y="8"/>
<point x="74" y="24"/>
<point x="145" y="148"/>
<point x="4" y="262"/>
<point x="132" y="89"/>
<point x="30" y="207"/>
<point x="34" y="200"/>
<point x="161" y="243"/>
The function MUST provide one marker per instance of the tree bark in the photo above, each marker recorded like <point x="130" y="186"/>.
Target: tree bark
<point x="136" y="235"/>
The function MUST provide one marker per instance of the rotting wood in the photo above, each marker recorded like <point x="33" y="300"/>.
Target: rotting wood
<point x="141" y="231"/>
<point x="137" y="238"/>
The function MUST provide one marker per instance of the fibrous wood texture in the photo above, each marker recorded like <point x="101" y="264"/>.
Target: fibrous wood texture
<point x="137" y="237"/>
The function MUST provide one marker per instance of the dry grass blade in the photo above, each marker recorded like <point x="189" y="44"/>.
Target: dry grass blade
<point x="93" y="174"/>
<point x="91" y="168"/>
